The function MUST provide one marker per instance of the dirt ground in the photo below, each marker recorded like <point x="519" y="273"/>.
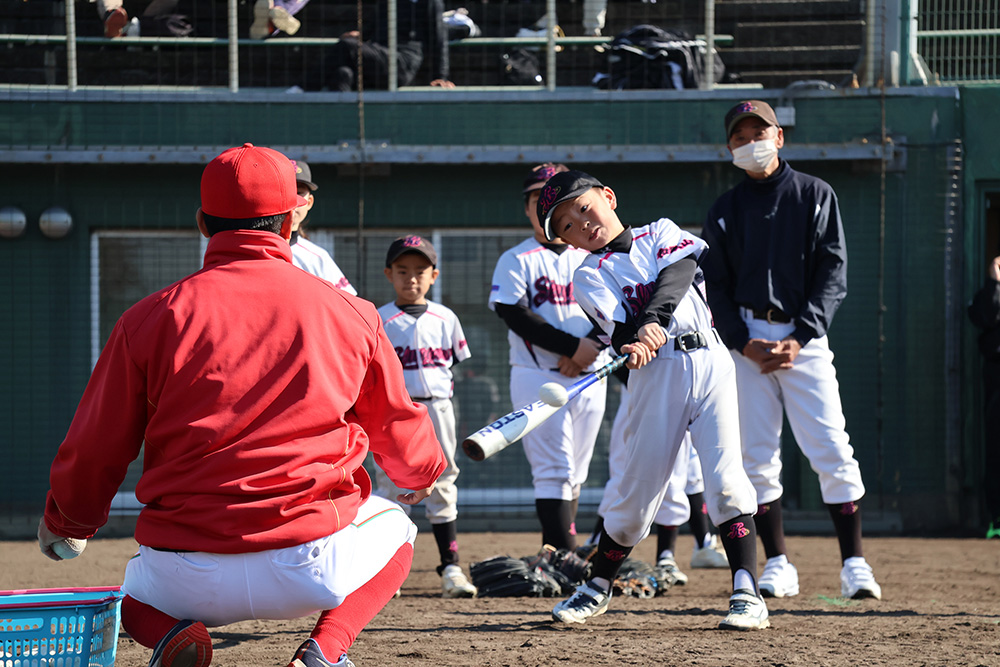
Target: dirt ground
<point x="941" y="606"/>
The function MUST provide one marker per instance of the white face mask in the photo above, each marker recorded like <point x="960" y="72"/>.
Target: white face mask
<point x="755" y="156"/>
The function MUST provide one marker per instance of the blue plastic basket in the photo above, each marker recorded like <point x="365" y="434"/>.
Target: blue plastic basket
<point x="59" y="627"/>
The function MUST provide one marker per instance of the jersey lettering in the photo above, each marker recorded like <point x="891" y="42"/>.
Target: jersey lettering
<point x="426" y="355"/>
<point x="663" y="252"/>
<point x="637" y="297"/>
<point x="547" y="290"/>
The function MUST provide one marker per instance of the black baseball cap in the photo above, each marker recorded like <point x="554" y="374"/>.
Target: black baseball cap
<point x="405" y="244"/>
<point x="562" y="187"/>
<point x="541" y="173"/>
<point x="749" y="108"/>
<point x="303" y="175"/>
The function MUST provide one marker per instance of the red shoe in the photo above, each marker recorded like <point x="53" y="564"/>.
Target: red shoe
<point x="114" y="22"/>
<point x="186" y="645"/>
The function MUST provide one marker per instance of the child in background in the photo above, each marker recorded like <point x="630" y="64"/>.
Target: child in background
<point x="429" y="340"/>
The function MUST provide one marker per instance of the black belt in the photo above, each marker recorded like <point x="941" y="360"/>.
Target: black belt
<point x="691" y="340"/>
<point x="771" y="316"/>
<point x="421" y="398"/>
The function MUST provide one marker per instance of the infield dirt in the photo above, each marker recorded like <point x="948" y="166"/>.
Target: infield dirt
<point x="940" y="606"/>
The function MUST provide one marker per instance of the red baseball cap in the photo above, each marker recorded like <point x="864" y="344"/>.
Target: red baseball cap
<point x="249" y="182"/>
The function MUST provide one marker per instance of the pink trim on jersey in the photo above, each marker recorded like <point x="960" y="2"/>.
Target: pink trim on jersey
<point x="400" y="313"/>
<point x="601" y="260"/>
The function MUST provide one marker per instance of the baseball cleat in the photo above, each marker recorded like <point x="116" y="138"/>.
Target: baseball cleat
<point x="187" y="644"/>
<point x="454" y="584"/>
<point x="857" y="581"/>
<point x="779" y="579"/>
<point x="310" y="655"/>
<point x="114" y="22"/>
<point x="710" y="556"/>
<point x="666" y="569"/>
<point x="746" y="612"/>
<point x="588" y="601"/>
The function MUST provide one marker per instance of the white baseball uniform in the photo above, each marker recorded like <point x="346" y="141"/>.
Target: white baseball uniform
<point x="428" y="346"/>
<point x="559" y="450"/>
<point x="310" y="257"/>
<point x="685" y="479"/>
<point x="679" y="390"/>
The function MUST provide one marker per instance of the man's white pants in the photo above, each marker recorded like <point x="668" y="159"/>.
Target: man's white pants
<point x="810" y="396"/>
<point x="219" y="589"/>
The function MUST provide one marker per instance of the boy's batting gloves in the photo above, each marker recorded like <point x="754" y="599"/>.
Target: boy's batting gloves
<point x="56" y="547"/>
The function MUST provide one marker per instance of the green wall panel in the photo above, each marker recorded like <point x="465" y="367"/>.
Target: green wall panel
<point x="45" y="284"/>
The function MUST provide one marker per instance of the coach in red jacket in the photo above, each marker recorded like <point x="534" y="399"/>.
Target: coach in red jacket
<point x="258" y="389"/>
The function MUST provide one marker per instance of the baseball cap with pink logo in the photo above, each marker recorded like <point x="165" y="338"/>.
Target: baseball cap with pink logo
<point x="746" y="109"/>
<point x="249" y="182"/>
<point x="405" y="244"/>
<point x="562" y="187"/>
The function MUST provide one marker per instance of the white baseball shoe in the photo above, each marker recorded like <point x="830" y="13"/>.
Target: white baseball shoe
<point x="588" y="601"/>
<point x="710" y="556"/>
<point x="455" y="585"/>
<point x="668" y="570"/>
<point x="746" y="612"/>
<point x="857" y="581"/>
<point x="779" y="579"/>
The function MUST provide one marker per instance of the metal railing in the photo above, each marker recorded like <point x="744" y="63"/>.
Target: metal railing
<point x="550" y="44"/>
<point x="959" y="40"/>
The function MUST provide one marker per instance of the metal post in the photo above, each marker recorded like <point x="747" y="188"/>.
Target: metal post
<point x="71" y="80"/>
<point x="550" y="54"/>
<point x="393" y="46"/>
<point x="708" y="80"/>
<point x="870" y="59"/>
<point x="234" y="52"/>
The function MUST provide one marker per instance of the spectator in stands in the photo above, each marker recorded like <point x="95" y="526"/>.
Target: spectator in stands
<point x="271" y="17"/>
<point x="158" y="18"/>
<point x="422" y="38"/>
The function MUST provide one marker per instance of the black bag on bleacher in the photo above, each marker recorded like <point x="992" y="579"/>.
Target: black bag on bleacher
<point x="646" y="56"/>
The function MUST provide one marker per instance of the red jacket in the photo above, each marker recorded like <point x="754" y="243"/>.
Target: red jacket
<point x="258" y="390"/>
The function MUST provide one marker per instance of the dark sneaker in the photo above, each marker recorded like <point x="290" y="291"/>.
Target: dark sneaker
<point x="310" y="655"/>
<point x="746" y="612"/>
<point x="186" y="645"/>
<point x="588" y="600"/>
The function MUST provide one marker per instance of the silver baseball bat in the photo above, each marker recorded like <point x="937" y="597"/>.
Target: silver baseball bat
<point x="513" y="426"/>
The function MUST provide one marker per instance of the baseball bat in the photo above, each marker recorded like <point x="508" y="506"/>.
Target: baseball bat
<point x="513" y="426"/>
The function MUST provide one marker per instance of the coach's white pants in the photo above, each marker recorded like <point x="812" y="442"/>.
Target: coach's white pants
<point x="810" y="396"/>
<point x="219" y="589"/>
<point x="677" y="392"/>
<point x="442" y="505"/>
<point x="559" y="450"/>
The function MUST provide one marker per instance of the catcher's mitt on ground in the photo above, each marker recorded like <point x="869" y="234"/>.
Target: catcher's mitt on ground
<point x="503" y="576"/>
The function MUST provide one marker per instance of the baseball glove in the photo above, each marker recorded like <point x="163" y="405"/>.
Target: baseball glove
<point x="563" y="566"/>
<point x="503" y="576"/>
<point x="637" y="579"/>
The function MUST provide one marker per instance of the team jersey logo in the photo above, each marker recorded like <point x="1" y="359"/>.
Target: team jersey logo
<point x="663" y="252"/>
<point x="427" y="357"/>
<point x="548" y="291"/>
<point x="637" y="297"/>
